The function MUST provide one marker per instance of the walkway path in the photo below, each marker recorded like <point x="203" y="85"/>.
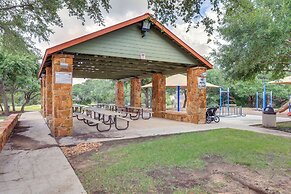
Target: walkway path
<point x="33" y="163"/>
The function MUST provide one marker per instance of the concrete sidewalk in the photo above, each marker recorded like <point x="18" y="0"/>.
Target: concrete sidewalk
<point x="32" y="162"/>
<point x="159" y="127"/>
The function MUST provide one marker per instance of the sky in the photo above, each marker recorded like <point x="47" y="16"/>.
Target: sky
<point x="121" y="11"/>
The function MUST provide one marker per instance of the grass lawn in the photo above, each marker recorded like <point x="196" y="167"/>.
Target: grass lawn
<point x="2" y="118"/>
<point x="29" y="108"/>
<point x="284" y="125"/>
<point x="187" y="163"/>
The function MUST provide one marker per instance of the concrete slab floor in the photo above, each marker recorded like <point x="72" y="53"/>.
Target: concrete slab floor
<point x="158" y="126"/>
<point x="32" y="162"/>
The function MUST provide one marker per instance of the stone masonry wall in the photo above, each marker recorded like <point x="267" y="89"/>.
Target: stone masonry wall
<point x="135" y="92"/>
<point x="6" y="128"/>
<point x="119" y="93"/>
<point x="158" y="94"/>
<point x="43" y="97"/>
<point x="196" y="98"/>
<point x="62" y="118"/>
<point x="48" y="95"/>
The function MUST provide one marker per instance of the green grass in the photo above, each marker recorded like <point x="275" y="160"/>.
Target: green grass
<point x="117" y="169"/>
<point x="2" y="118"/>
<point x="29" y="108"/>
<point x="284" y="125"/>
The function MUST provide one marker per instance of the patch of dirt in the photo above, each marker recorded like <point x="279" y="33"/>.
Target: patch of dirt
<point x="79" y="155"/>
<point x="221" y="177"/>
<point x="80" y="148"/>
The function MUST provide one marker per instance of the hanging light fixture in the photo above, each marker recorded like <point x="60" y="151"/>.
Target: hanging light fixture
<point x="146" y="26"/>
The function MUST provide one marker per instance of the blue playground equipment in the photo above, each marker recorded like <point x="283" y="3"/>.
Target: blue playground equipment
<point x="264" y="97"/>
<point x="222" y="102"/>
<point x="178" y="99"/>
<point x="225" y="107"/>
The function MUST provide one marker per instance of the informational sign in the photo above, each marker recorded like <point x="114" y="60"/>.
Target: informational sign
<point x="63" y="63"/>
<point x="142" y="56"/>
<point x="201" y="82"/>
<point x="63" y="78"/>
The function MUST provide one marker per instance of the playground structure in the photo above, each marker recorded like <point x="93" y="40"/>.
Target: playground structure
<point x="226" y="108"/>
<point x="264" y="99"/>
<point x="287" y="105"/>
<point x="179" y="81"/>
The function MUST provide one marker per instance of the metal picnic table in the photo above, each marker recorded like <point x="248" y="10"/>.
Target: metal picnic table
<point x="134" y="112"/>
<point x="107" y="117"/>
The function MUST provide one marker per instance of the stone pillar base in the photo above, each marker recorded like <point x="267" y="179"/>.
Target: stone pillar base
<point x="196" y="97"/>
<point x="135" y="92"/>
<point x="119" y="93"/>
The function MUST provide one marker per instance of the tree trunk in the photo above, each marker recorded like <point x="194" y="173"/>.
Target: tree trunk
<point x="250" y="101"/>
<point x="4" y="98"/>
<point x="1" y="107"/>
<point x="185" y="100"/>
<point x="12" y="101"/>
<point x="23" y="105"/>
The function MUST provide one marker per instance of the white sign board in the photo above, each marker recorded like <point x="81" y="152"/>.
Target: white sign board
<point x="201" y="82"/>
<point x="63" y="78"/>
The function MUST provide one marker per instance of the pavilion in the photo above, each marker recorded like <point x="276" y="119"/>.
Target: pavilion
<point x="138" y="48"/>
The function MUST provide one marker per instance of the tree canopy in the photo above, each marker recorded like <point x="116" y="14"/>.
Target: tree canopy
<point x="257" y="39"/>
<point x="18" y="75"/>
<point x="255" y="33"/>
<point x="21" y="20"/>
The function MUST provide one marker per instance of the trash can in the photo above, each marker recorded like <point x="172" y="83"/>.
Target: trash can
<point x="269" y="117"/>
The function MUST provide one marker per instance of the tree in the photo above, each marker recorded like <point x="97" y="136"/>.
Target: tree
<point x="15" y="70"/>
<point x="257" y="39"/>
<point x="21" y="20"/>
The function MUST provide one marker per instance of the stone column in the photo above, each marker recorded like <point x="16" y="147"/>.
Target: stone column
<point x="62" y="114"/>
<point x="119" y="93"/>
<point x="196" y="98"/>
<point x="48" y="95"/>
<point x="43" y="97"/>
<point x="158" y="94"/>
<point x="135" y="92"/>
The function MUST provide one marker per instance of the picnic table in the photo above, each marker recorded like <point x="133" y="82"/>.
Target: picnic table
<point x="134" y="112"/>
<point x="77" y="108"/>
<point x="94" y="116"/>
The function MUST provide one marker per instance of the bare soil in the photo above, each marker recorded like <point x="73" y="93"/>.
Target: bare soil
<point x="221" y="177"/>
<point x="217" y="176"/>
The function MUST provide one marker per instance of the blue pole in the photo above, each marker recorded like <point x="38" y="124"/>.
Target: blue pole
<point x="220" y="100"/>
<point x="257" y="100"/>
<point x="264" y="97"/>
<point x="228" y="100"/>
<point x="178" y="98"/>
<point x="271" y="99"/>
